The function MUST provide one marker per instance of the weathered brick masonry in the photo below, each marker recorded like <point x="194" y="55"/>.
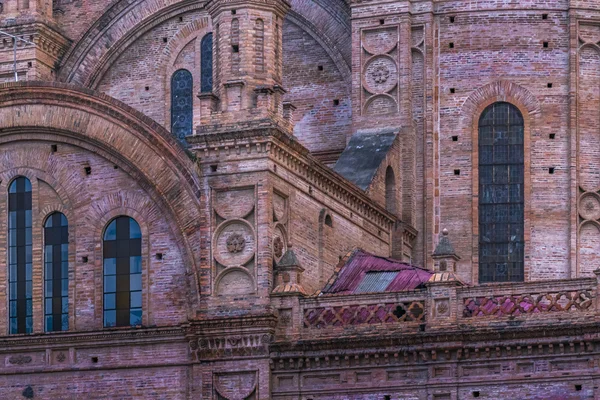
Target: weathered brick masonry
<point x="310" y="129"/>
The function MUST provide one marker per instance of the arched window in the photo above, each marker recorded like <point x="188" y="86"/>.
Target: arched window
<point x="56" y="273"/>
<point x="390" y="190"/>
<point x="182" y="88"/>
<point x="501" y="194"/>
<point x="19" y="256"/>
<point x="122" y="252"/>
<point x="206" y="66"/>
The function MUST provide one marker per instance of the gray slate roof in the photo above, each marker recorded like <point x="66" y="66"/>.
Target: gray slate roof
<point x="363" y="155"/>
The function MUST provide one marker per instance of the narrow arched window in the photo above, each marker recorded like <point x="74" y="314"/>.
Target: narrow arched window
<point x="122" y="250"/>
<point x="19" y="257"/>
<point x="56" y="273"/>
<point x="390" y="190"/>
<point x="182" y="88"/>
<point x="206" y="66"/>
<point x="501" y="194"/>
<point x="235" y="46"/>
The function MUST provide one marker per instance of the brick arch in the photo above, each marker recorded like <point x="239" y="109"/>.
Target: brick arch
<point x="49" y="111"/>
<point x="498" y="91"/>
<point x="121" y="25"/>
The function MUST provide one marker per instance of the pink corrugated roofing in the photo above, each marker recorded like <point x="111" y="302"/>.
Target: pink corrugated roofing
<point x="366" y="273"/>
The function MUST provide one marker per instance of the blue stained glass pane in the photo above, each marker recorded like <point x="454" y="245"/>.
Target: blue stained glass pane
<point x="206" y="54"/>
<point x="182" y="87"/>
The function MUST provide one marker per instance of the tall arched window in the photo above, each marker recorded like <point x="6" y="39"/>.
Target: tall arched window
<point x="19" y="256"/>
<point x="206" y="66"/>
<point x="182" y="103"/>
<point x="390" y="190"/>
<point x="501" y="194"/>
<point x="122" y="252"/>
<point x="56" y="273"/>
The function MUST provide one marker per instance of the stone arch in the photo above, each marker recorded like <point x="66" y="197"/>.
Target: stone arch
<point x="63" y="113"/>
<point x="474" y="105"/>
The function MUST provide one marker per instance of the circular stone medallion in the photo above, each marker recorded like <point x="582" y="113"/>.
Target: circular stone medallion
<point x="235" y="244"/>
<point x="381" y="75"/>
<point x="589" y="206"/>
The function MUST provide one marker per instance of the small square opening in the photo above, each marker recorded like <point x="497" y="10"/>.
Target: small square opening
<point x="88" y="170"/>
<point x="159" y="256"/>
<point x="336" y="102"/>
<point x="213" y="168"/>
<point x="545" y="44"/>
<point x="476" y="394"/>
<point x="54" y="148"/>
<point x="553" y="136"/>
<point x="451" y="45"/>
<point x="381" y="21"/>
<point x="165" y="40"/>
<point x="551" y="170"/>
<point x="578" y="387"/>
<point x="455" y="138"/>
<point x="452" y="90"/>
<point x="84" y="259"/>
<point x="544" y="16"/>
<point x="452" y="19"/>
<point x="457" y="172"/>
<point x="235" y="48"/>
<point x="320" y="68"/>
<point x="233" y="12"/>
<point x="94" y="360"/>
<point x="549" y="85"/>
<point x="147" y="88"/>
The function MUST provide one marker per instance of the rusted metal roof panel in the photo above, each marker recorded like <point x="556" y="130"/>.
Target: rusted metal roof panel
<point x="355" y="276"/>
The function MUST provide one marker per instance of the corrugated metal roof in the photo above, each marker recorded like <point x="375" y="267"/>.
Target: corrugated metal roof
<point x="350" y="276"/>
<point x="375" y="281"/>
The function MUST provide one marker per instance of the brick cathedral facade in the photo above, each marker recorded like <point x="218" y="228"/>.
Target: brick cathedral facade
<point x="300" y="199"/>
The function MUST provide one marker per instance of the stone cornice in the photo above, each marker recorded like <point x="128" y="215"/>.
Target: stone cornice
<point x="281" y="7"/>
<point x="112" y="336"/>
<point x="267" y="138"/>
<point x="441" y="340"/>
<point x="47" y="39"/>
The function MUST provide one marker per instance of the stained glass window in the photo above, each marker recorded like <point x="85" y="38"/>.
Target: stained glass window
<point x="182" y="103"/>
<point x="206" y="69"/>
<point x="501" y="194"/>
<point x="19" y="258"/>
<point x="122" y="273"/>
<point x="56" y="274"/>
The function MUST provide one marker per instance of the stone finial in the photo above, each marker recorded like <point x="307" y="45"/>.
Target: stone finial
<point x="288" y="274"/>
<point x="444" y="256"/>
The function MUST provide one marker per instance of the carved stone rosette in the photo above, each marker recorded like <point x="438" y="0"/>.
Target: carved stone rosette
<point x="379" y="70"/>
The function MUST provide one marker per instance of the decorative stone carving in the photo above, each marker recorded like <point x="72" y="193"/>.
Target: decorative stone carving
<point x="324" y="317"/>
<point x="279" y="242"/>
<point x="279" y="208"/>
<point x="381" y="74"/>
<point x="231" y="346"/>
<point x="381" y="105"/>
<point x="442" y="308"/>
<point x="61" y="357"/>
<point x="514" y="305"/>
<point x="235" y="281"/>
<point x="234" y="243"/>
<point x="277" y="247"/>
<point x="589" y="206"/>
<point x="237" y="203"/>
<point x="238" y="386"/>
<point x="19" y="360"/>
<point x="380" y="40"/>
